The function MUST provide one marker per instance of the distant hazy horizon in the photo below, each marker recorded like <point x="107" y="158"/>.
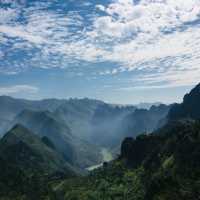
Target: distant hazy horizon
<point x="138" y="97"/>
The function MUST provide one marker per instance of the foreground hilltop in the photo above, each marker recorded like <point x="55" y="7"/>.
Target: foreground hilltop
<point x="27" y="162"/>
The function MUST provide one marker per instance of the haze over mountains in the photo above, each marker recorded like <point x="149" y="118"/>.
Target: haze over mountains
<point x="79" y="128"/>
<point x="146" y="105"/>
<point x="75" y="150"/>
<point x="52" y="142"/>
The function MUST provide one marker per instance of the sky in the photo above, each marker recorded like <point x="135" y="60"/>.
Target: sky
<point x="119" y="51"/>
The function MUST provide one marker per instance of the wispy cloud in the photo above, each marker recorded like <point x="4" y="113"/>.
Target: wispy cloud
<point x="160" y="38"/>
<point x="10" y="90"/>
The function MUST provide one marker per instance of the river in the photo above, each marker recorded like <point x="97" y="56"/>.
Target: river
<point x="107" y="156"/>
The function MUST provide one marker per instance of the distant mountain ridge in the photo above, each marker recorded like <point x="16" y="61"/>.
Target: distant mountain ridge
<point x="11" y="107"/>
<point x="144" y="121"/>
<point x="86" y="118"/>
<point x="147" y="105"/>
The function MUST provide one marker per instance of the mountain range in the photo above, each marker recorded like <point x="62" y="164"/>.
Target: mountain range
<point x="79" y="128"/>
<point x="48" y="146"/>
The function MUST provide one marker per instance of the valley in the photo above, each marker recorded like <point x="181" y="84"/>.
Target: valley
<point x="80" y="128"/>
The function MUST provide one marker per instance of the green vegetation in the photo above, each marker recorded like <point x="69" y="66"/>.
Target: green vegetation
<point x="104" y="184"/>
<point x="162" y="166"/>
<point x="27" y="166"/>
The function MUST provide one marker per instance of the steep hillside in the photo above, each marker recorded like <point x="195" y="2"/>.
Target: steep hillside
<point x="4" y="125"/>
<point x="189" y="108"/>
<point x="76" y="151"/>
<point x="21" y="146"/>
<point x="26" y="163"/>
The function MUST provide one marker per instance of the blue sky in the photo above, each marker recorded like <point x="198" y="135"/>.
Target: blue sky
<point x="121" y="51"/>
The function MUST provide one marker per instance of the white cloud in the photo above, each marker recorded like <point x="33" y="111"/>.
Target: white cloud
<point x="18" y="89"/>
<point x="152" y="36"/>
<point x="6" y="15"/>
<point x="19" y="32"/>
<point x="100" y="7"/>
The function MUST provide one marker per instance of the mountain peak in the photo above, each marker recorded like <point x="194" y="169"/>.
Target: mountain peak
<point x="194" y="92"/>
<point x="18" y="133"/>
<point x="17" y="130"/>
<point x="189" y="108"/>
<point x="17" y="126"/>
<point x="22" y="148"/>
